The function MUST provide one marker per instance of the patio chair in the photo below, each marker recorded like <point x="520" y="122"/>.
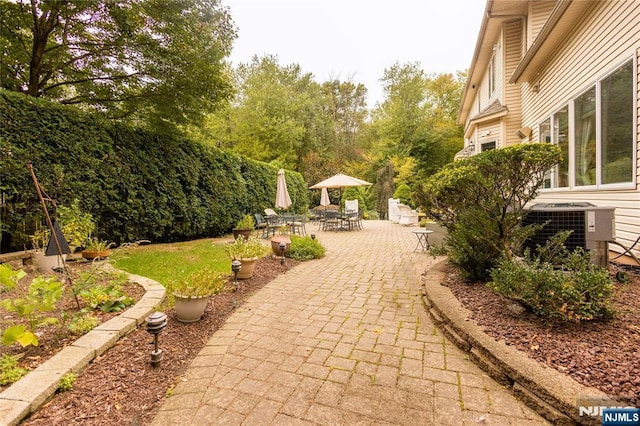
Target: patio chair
<point x="320" y="218"/>
<point x="354" y="214"/>
<point x="331" y="221"/>
<point x="273" y="223"/>
<point x="297" y="224"/>
<point x="261" y="225"/>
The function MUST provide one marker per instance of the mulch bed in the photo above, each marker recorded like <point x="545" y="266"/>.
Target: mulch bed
<point x="604" y="355"/>
<point x="121" y="386"/>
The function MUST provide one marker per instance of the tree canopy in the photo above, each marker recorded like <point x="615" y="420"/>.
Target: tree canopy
<point x="149" y="61"/>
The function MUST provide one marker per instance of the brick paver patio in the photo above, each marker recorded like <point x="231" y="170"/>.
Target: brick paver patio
<point x="341" y="341"/>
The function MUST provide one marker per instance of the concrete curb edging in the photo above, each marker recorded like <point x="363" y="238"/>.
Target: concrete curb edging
<point x="27" y="394"/>
<point x="552" y="394"/>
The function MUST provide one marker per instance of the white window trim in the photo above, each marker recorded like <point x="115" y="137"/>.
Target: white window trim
<point x="571" y="152"/>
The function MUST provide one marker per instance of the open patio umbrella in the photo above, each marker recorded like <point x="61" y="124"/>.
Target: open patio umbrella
<point x="340" y="181"/>
<point x="283" y="201"/>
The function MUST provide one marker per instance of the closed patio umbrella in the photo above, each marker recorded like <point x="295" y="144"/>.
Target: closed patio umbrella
<point x="283" y="201"/>
<point x="324" y="197"/>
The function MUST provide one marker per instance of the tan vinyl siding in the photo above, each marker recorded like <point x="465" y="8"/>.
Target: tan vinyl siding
<point x="601" y="40"/>
<point x="606" y="36"/>
<point x="539" y="12"/>
<point x="483" y="92"/>
<point x="489" y="132"/>
<point x="513" y="49"/>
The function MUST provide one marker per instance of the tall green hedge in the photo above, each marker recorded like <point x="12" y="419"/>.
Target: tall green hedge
<point x="137" y="184"/>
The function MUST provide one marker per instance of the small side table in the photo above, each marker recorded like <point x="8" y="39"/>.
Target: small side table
<point x="423" y="239"/>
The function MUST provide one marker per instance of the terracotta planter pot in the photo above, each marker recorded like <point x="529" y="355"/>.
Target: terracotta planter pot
<point x="275" y="244"/>
<point x="247" y="268"/>
<point x="91" y="255"/>
<point x="190" y="309"/>
<point x="246" y="233"/>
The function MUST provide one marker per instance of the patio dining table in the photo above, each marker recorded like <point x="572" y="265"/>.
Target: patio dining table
<point x="340" y="221"/>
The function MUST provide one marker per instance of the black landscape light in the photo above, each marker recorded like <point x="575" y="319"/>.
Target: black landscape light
<point x="235" y="267"/>
<point x="283" y="247"/>
<point x="156" y="322"/>
<point x="313" y="236"/>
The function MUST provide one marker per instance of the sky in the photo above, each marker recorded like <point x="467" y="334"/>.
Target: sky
<point x="355" y="40"/>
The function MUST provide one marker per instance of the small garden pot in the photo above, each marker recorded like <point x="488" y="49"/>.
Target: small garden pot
<point x="190" y="309"/>
<point x="275" y="244"/>
<point x="245" y="233"/>
<point x="247" y="268"/>
<point x="91" y="255"/>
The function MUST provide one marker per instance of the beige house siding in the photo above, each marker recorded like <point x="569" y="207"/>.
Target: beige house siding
<point x="490" y="132"/>
<point x="577" y="44"/>
<point x="513" y="51"/>
<point x="607" y="35"/>
<point x="485" y="98"/>
<point x="539" y="11"/>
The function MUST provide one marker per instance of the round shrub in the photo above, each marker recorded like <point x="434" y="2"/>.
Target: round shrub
<point x="304" y="248"/>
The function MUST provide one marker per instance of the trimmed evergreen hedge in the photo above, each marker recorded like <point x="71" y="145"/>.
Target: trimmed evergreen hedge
<point x="136" y="184"/>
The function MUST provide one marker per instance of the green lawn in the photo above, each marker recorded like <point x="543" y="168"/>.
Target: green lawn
<point x="164" y="262"/>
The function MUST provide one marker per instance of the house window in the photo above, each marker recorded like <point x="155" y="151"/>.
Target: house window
<point x="602" y="124"/>
<point x="585" y="138"/>
<point x="616" y="132"/>
<point x="544" y="130"/>
<point x="555" y="130"/>
<point x="487" y="146"/>
<point x="492" y="75"/>
<point x="560" y="137"/>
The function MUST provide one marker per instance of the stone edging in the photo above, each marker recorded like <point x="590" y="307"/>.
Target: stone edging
<point x="30" y="392"/>
<point x="552" y="394"/>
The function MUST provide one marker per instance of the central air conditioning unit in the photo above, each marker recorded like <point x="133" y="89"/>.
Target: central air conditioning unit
<point x="592" y="227"/>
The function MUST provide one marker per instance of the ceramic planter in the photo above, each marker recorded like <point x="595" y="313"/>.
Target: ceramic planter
<point x="190" y="309"/>
<point x="91" y="254"/>
<point x="248" y="265"/>
<point x="246" y="233"/>
<point x="275" y="244"/>
<point x="45" y="264"/>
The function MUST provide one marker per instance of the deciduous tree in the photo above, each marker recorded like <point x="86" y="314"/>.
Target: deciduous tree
<point x="145" y="60"/>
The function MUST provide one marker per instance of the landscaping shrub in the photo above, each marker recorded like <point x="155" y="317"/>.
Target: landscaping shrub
<point x="304" y="248"/>
<point x="403" y="192"/>
<point x="481" y="200"/>
<point x="137" y="185"/>
<point x="564" y="286"/>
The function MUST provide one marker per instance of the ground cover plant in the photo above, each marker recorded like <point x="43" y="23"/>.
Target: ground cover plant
<point x="555" y="283"/>
<point x="39" y="314"/>
<point x="304" y="248"/>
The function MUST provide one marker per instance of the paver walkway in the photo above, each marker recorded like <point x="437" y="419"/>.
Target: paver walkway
<point x="341" y="341"/>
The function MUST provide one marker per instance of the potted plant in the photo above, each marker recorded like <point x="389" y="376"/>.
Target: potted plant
<point x="191" y="294"/>
<point x="244" y="227"/>
<point x="39" y="241"/>
<point x="96" y="249"/>
<point x="247" y="252"/>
